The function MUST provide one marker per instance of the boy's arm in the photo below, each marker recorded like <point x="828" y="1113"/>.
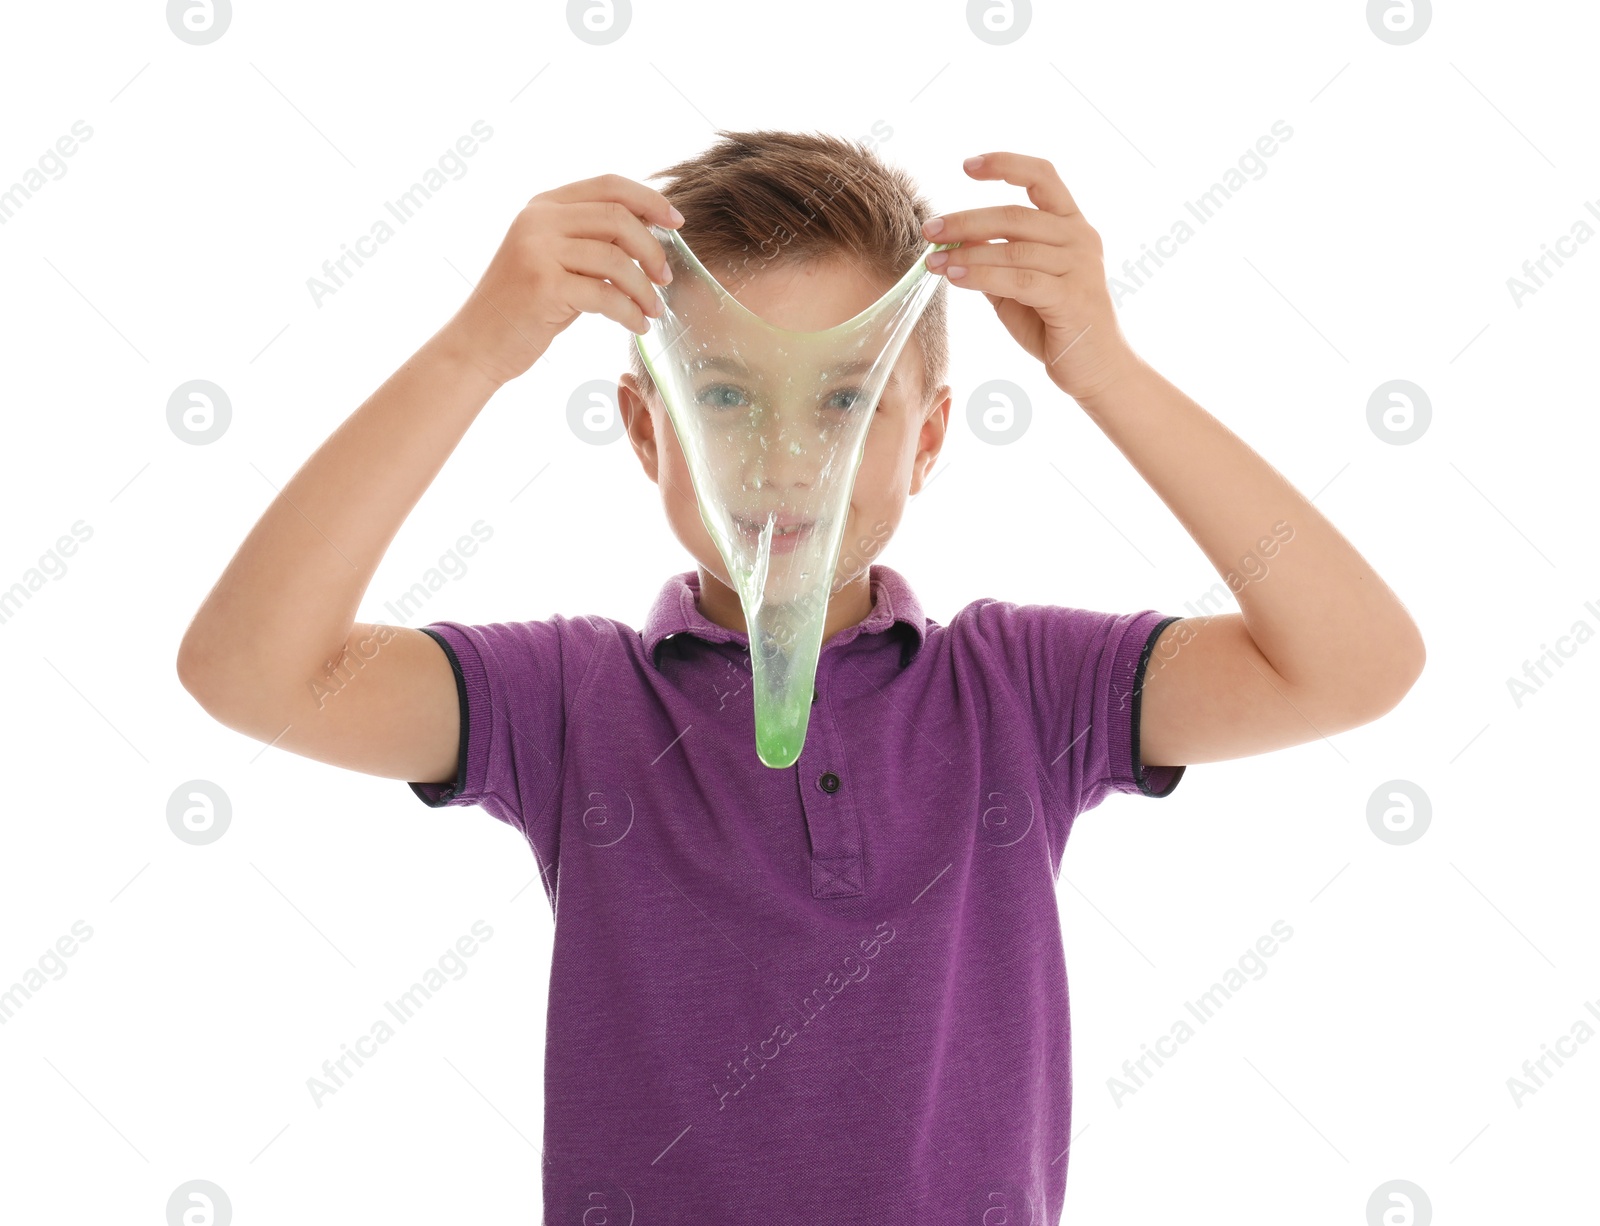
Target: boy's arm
<point x="275" y="652"/>
<point x="1321" y="643"/>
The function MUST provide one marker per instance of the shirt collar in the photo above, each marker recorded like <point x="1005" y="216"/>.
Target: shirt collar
<point x="893" y="601"/>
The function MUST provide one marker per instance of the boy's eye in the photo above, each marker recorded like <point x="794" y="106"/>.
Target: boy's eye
<point x="720" y="396"/>
<point x="727" y="396"/>
<point x="847" y="399"/>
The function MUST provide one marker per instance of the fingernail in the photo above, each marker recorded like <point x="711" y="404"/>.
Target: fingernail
<point x="677" y="217"/>
<point x="932" y="226"/>
<point x="973" y="163"/>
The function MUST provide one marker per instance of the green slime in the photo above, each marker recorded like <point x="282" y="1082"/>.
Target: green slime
<point x="788" y="450"/>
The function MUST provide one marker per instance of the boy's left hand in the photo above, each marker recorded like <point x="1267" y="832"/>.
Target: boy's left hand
<point x="1047" y="283"/>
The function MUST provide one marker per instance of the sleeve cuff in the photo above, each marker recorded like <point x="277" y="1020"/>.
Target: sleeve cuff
<point x="1128" y="773"/>
<point x="472" y="691"/>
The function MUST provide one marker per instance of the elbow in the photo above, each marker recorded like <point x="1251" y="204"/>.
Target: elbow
<point x="1369" y="687"/>
<point x="199" y="672"/>
<point x="191" y="672"/>
<point x="197" y="684"/>
<point x="1413" y="658"/>
<point x="1399" y="671"/>
<point x="188" y="678"/>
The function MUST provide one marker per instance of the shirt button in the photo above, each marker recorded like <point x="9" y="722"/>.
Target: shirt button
<point x="828" y="782"/>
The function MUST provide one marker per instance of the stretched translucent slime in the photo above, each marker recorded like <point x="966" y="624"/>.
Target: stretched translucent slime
<point x="773" y="424"/>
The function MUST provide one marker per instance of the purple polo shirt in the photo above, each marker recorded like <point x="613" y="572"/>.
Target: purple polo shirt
<point x="831" y="993"/>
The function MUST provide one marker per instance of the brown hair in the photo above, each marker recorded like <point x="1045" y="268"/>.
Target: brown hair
<point x="755" y="198"/>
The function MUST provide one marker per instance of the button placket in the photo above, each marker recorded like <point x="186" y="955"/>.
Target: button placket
<point x="830" y="811"/>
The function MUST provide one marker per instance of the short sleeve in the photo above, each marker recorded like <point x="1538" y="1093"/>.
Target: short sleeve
<point x="516" y="683"/>
<point x="1079" y="676"/>
<point x="1117" y="705"/>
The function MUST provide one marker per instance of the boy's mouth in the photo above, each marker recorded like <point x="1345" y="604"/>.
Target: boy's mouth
<point x="786" y="533"/>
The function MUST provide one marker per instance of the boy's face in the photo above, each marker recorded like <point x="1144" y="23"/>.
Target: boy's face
<point x="902" y="442"/>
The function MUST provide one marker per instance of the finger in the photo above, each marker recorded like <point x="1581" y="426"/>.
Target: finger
<point x="1044" y="184"/>
<point x="1048" y="258"/>
<point x="593" y="258"/>
<point x="601" y="298"/>
<point x="1000" y="221"/>
<point x="638" y="199"/>
<point x="1028" y="286"/>
<point x="610" y="220"/>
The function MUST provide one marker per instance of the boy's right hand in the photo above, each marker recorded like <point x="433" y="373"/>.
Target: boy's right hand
<point x="555" y="262"/>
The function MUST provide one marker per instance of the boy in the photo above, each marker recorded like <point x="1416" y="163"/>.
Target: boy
<point x="833" y="993"/>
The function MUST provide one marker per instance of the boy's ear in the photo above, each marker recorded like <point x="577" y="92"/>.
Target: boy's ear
<point x="930" y="441"/>
<point x="639" y="424"/>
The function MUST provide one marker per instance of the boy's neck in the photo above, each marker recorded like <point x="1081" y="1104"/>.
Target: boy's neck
<point x="852" y="603"/>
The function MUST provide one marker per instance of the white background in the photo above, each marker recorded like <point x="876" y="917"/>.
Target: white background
<point x="1377" y="246"/>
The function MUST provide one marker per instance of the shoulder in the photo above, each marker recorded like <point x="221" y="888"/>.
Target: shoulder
<point x="1051" y="648"/>
<point x="539" y="649"/>
<point x="997" y="624"/>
